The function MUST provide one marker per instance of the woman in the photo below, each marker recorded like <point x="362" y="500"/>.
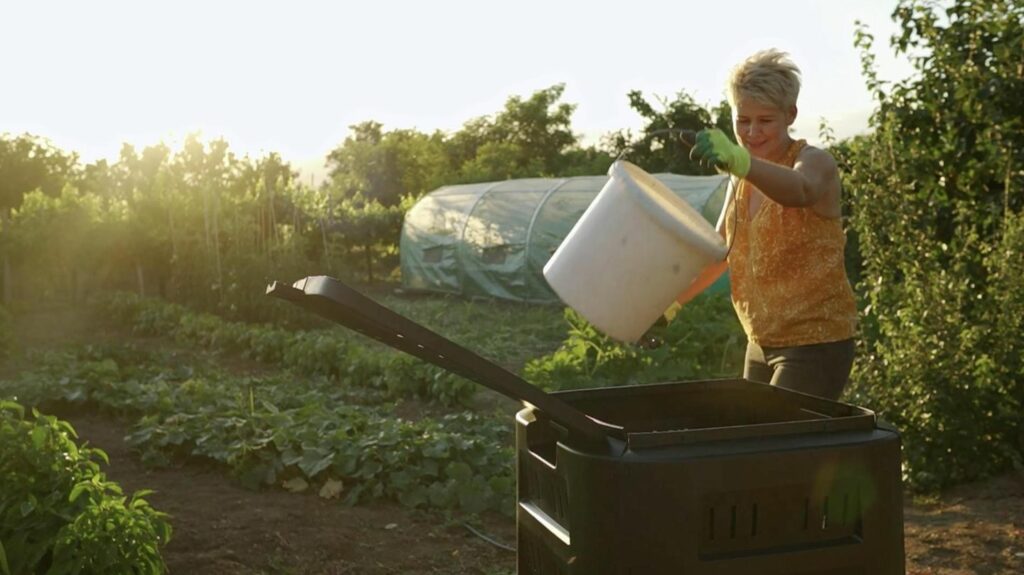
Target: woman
<point x="789" y="285"/>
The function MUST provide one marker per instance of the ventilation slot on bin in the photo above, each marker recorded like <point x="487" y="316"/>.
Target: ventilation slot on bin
<point x="534" y="561"/>
<point x="745" y="523"/>
<point x="544" y="488"/>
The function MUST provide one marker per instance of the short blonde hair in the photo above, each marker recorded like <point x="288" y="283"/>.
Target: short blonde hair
<point x="769" y="77"/>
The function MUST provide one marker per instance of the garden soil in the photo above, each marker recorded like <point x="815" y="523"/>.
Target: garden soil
<point x="222" y="528"/>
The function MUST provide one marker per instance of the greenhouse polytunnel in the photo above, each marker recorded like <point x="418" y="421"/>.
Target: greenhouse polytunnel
<point x="493" y="239"/>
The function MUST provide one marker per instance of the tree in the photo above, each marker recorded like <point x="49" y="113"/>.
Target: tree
<point x="147" y="230"/>
<point x="657" y="151"/>
<point x="368" y="225"/>
<point x="28" y="163"/>
<point x="204" y="170"/>
<point x="56" y="237"/>
<point x="937" y="206"/>
<point x="386" y="166"/>
<point x="371" y="174"/>
<point x="540" y="127"/>
<point x="264" y="188"/>
<point x="527" y="138"/>
<point x="98" y="179"/>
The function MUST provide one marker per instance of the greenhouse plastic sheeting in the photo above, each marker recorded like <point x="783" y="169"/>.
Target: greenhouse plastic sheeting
<point x="493" y="239"/>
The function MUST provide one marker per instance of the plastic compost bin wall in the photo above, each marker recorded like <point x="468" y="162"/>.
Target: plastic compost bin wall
<point x="742" y="478"/>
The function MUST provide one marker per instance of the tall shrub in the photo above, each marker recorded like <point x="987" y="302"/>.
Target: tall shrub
<point x="936" y="205"/>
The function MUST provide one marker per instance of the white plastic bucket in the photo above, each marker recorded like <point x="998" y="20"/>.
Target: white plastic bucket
<point x="635" y="249"/>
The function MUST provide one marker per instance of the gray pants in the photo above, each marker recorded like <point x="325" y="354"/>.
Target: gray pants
<point x="821" y="369"/>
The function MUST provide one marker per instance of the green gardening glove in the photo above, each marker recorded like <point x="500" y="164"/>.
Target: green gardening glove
<point x="713" y="148"/>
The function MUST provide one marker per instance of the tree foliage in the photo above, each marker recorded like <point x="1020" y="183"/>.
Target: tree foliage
<point x="937" y="208"/>
<point x="200" y="224"/>
<point x="30" y="163"/>
<point x="527" y="138"/>
<point x="658" y="151"/>
<point x="386" y="166"/>
<point x="27" y="163"/>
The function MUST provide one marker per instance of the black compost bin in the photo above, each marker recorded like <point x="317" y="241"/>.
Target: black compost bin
<point x="719" y="477"/>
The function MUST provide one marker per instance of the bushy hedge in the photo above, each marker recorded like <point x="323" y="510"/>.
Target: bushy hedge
<point x="58" y="512"/>
<point x="937" y="207"/>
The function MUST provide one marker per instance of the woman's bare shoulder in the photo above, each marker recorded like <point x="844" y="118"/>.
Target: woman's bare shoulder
<point x="816" y="156"/>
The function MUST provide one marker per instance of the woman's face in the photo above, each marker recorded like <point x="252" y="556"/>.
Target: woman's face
<point x="763" y="129"/>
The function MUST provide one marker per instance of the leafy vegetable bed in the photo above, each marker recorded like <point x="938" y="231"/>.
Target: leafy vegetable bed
<point x="284" y="430"/>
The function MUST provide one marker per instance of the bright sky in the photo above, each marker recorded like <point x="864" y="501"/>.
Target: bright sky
<point x="290" y="77"/>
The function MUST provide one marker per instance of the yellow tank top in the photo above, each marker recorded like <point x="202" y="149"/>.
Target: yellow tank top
<point x="786" y="269"/>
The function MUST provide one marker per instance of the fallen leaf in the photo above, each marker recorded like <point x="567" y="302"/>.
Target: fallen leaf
<point x="295" y="485"/>
<point x="331" y="489"/>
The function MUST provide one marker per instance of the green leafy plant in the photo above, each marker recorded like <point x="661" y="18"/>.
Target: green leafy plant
<point x="937" y="209"/>
<point x="704" y="341"/>
<point x="58" y="512"/>
<point x="335" y="353"/>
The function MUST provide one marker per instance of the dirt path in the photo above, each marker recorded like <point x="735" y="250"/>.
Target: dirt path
<point x="221" y="528"/>
<point x="973" y="529"/>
